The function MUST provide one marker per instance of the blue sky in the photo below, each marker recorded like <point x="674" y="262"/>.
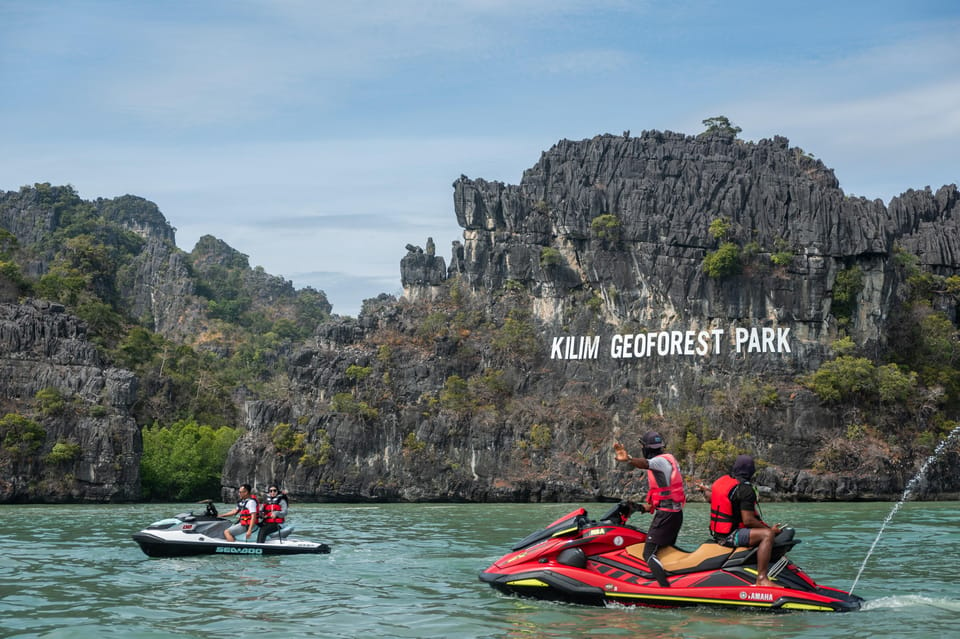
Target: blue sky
<point x="319" y="138"/>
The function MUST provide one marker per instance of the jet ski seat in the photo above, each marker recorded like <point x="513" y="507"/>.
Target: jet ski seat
<point x="708" y="556"/>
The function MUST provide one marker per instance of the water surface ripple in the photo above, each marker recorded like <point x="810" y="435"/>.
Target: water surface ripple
<point x="410" y="570"/>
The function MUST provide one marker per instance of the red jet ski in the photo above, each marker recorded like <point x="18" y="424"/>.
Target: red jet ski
<point x="577" y="560"/>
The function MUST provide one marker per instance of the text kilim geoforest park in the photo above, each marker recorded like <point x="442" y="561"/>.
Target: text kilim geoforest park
<point x="672" y="343"/>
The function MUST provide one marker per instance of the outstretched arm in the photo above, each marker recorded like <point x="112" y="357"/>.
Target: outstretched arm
<point x="624" y="456"/>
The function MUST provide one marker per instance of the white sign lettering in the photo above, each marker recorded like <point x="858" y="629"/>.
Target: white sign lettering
<point x="581" y="347"/>
<point x="672" y="343"/>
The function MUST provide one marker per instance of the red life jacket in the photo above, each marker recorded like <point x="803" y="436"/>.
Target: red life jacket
<point x="722" y="516"/>
<point x="721" y="506"/>
<point x="245" y="513"/>
<point x="271" y="511"/>
<point x="668" y="498"/>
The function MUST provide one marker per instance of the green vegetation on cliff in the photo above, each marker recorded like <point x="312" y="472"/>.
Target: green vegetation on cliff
<point x="90" y="260"/>
<point x="239" y="325"/>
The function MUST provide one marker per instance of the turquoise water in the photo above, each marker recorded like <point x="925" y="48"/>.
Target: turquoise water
<point x="410" y="570"/>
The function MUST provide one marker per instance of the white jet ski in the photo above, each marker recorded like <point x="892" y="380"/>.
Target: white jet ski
<point x="187" y="534"/>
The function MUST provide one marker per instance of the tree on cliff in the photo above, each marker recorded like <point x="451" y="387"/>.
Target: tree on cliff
<point x="720" y="124"/>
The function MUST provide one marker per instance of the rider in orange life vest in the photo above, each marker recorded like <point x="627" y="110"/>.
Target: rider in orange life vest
<point x="665" y="497"/>
<point x="247" y="508"/>
<point x="735" y="517"/>
<point x="273" y="513"/>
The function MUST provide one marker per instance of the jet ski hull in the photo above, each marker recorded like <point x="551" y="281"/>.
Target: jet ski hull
<point x="186" y="535"/>
<point x="579" y="561"/>
<point x="154" y="545"/>
<point x="579" y="587"/>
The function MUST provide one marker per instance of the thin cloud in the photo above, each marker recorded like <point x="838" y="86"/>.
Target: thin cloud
<point x="334" y="222"/>
<point x="324" y="137"/>
<point x="585" y="61"/>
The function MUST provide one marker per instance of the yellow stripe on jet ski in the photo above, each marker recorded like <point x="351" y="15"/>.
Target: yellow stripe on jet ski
<point x="701" y="600"/>
<point x="528" y="582"/>
<point x="738" y="603"/>
<point x="803" y="606"/>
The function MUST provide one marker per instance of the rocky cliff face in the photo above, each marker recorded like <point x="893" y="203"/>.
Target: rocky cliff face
<point x="68" y="427"/>
<point x="680" y="283"/>
<point x="578" y="311"/>
<point x="664" y="190"/>
<point x="50" y="369"/>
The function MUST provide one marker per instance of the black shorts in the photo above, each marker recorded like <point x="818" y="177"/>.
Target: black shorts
<point x="665" y="527"/>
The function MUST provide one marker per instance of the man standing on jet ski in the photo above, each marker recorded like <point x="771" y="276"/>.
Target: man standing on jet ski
<point x="735" y="516"/>
<point x="248" y="509"/>
<point x="665" y="496"/>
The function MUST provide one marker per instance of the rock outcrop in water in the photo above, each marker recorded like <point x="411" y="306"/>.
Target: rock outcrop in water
<point x="686" y="284"/>
<point x="43" y="348"/>
<point x="70" y="412"/>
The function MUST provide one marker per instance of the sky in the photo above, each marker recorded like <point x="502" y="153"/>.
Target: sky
<point x="320" y="137"/>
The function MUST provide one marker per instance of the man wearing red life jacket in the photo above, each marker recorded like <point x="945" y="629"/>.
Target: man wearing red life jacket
<point x="247" y="508"/>
<point x="735" y="519"/>
<point x="665" y="498"/>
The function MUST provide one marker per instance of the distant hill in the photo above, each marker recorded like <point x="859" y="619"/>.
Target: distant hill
<point x="99" y="288"/>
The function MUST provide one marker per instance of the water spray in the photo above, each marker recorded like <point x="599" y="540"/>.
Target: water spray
<point x="907" y="493"/>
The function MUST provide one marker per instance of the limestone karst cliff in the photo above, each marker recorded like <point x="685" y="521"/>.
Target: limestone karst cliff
<point x="42" y="348"/>
<point x="139" y="332"/>
<point x="499" y="380"/>
<point x="690" y="284"/>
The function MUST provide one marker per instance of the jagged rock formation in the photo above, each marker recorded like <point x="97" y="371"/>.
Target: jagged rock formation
<point x="116" y="260"/>
<point x="926" y="225"/>
<point x="584" y="305"/>
<point x="665" y="189"/>
<point x="604" y="238"/>
<point x="422" y="272"/>
<point x="43" y="348"/>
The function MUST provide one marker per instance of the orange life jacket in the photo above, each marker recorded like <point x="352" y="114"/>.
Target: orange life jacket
<point x="668" y="498"/>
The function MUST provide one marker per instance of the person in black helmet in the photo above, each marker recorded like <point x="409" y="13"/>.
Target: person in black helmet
<point x="735" y="519"/>
<point x="665" y="497"/>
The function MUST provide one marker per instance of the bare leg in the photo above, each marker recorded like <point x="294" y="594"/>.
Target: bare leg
<point x="762" y="538"/>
